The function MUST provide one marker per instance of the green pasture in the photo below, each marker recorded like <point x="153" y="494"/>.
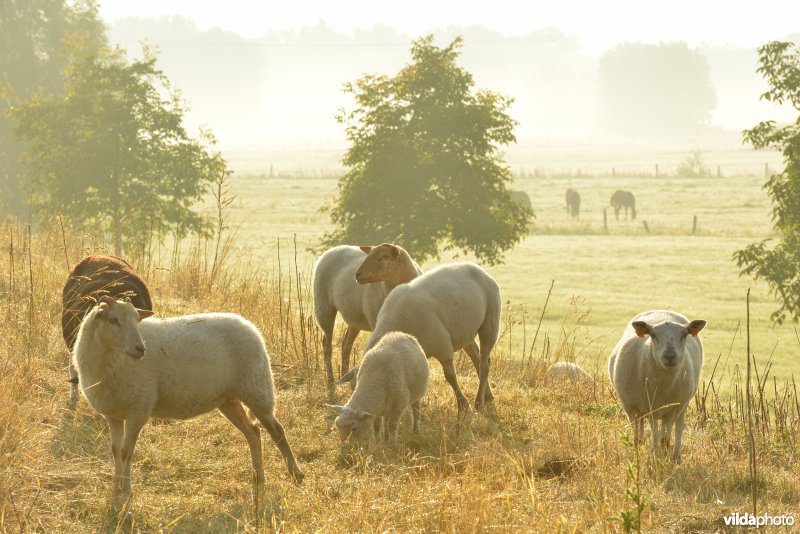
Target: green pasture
<point x="600" y="280"/>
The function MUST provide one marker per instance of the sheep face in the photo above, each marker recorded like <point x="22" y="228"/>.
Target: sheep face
<point x="379" y="264"/>
<point x="353" y="423"/>
<point x="668" y="340"/>
<point x="119" y="326"/>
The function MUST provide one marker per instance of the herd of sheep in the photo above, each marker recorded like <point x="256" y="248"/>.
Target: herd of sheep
<point x="131" y="366"/>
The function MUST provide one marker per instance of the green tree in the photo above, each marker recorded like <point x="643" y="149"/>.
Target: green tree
<point x="425" y="162"/>
<point x="32" y="33"/>
<point x="650" y="89"/>
<point x="779" y="265"/>
<point x="111" y="153"/>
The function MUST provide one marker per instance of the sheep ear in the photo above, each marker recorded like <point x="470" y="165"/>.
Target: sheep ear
<point x="347" y="377"/>
<point x="107" y="299"/>
<point x="365" y="250"/>
<point x="695" y="326"/>
<point x="144" y="314"/>
<point x="365" y="416"/>
<point x="641" y="328"/>
<point x="336" y="408"/>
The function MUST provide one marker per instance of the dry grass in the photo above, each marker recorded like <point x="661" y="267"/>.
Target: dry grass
<point x="544" y="458"/>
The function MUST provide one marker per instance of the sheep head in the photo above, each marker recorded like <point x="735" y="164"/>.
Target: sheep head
<point x="380" y="265"/>
<point x="668" y="339"/>
<point x="119" y="330"/>
<point x="352" y="422"/>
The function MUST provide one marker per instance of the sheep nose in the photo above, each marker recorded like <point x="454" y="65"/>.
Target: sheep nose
<point x="139" y="350"/>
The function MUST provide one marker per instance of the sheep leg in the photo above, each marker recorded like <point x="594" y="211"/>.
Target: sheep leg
<point x="325" y="314"/>
<point x="132" y="429"/>
<point x="415" y="415"/>
<point x="116" y="429"/>
<point x="637" y="425"/>
<point x="679" y="422"/>
<point x="348" y="339"/>
<point x="377" y="427"/>
<point x="235" y="412"/>
<point x="73" y="384"/>
<point x="275" y="430"/>
<point x="393" y="426"/>
<point x="474" y="354"/>
<point x="484" y="395"/>
<point x="327" y="352"/>
<point x="450" y="376"/>
<point x="657" y="429"/>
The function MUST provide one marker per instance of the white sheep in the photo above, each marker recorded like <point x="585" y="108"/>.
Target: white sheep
<point x="393" y="375"/>
<point x="445" y="309"/>
<point x="336" y="290"/>
<point x="568" y="371"/>
<point x="655" y="370"/>
<point x="175" y="368"/>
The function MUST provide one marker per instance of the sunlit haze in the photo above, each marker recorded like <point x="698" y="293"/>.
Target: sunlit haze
<point x="266" y="72"/>
<point x="597" y="25"/>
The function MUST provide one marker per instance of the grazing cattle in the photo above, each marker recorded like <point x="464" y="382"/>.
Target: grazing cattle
<point x="623" y="199"/>
<point x="573" y="204"/>
<point x="521" y="198"/>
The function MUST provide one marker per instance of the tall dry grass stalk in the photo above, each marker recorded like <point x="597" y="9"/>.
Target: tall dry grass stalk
<point x="543" y="458"/>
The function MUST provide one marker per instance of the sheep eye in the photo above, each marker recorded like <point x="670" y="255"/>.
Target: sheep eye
<point x="114" y="321"/>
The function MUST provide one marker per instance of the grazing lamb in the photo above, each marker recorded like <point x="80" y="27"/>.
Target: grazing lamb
<point x="393" y="374"/>
<point x="655" y="369"/>
<point x="336" y="289"/>
<point x="568" y="371"/>
<point x="623" y="199"/>
<point x="132" y="369"/>
<point x="445" y="309"/>
<point x="573" y="199"/>
<point x="93" y="277"/>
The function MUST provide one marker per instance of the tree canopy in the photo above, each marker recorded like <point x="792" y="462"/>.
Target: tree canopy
<point x="110" y="151"/>
<point x="425" y="161"/>
<point x="779" y="265"/>
<point x="32" y="33"/>
<point x="650" y="89"/>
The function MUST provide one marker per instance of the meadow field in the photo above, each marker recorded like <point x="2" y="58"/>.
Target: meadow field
<point x="600" y="280"/>
<point x="544" y="458"/>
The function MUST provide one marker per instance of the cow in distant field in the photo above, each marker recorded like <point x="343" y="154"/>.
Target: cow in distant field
<point x="573" y="204"/>
<point x="623" y="199"/>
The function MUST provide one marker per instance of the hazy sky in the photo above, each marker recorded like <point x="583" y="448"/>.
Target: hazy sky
<point x="598" y="25"/>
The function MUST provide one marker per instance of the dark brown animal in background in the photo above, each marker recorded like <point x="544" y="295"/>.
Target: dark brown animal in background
<point x="573" y="204"/>
<point x="623" y="199"/>
<point x="92" y="278"/>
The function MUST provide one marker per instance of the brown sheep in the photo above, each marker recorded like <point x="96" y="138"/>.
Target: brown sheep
<point x="92" y="278"/>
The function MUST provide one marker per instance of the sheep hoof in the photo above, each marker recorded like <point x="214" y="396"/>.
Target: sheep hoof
<point x="297" y="476"/>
